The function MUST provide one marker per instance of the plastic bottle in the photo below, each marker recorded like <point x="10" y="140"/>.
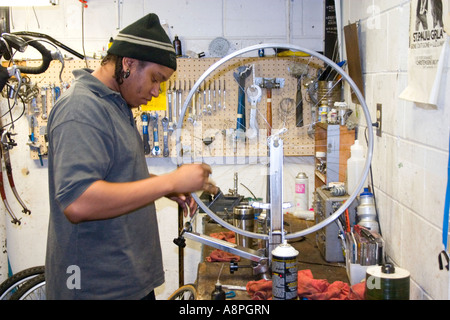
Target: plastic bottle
<point x="177" y="46"/>
<point x="218" y="293"/>
<point x="355" y="167"/>
<point x="366" y="213"/>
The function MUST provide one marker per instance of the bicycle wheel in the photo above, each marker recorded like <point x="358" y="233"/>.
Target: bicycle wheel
<point x="33" y="289"/>
<point x="186" y="292"/>
<point x="185" y="141"/>
<point x="12" y="284"/>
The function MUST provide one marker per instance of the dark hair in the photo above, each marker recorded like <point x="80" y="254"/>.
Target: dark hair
<point x="118" y="67"/>
<point x="118" y="70"/>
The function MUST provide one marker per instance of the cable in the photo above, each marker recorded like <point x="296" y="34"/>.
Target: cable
<point x="373" y="189"/>
<point x="82" y="33"/>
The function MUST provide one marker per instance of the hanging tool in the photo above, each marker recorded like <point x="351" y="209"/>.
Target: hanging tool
<point x="32" y="139"/>
<point x="198" y="103"/>
<point x="224" y="106"/>
<point x="298" y="71"/>
<point x="240" y="76"/>
<point x="209" y="106"/>
<point x="165" y="125"/>
<point x="269" y="85"/>
<point x="180" y="99"/>
<point x="169" y="98"/>
<point x="254" y="96"/>
<point x="219" y="106"/>
<point x="214" y="98"/>
<point x="191" y="114"/>
<point x="145" y="136"/>
<point x="156" y="150"/>
<point x="205" y="110"/>
<point x="174" y="104"/>
<point x="44" y="103"/>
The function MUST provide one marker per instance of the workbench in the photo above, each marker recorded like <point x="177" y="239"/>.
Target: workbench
<point x="309" y="258"/>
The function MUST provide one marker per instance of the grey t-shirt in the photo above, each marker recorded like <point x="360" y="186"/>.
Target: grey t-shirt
<point x="92" y="136"/>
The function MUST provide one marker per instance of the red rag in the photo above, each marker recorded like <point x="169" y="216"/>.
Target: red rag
<point x="222" y="256"/>
<point x="310" y="288"/>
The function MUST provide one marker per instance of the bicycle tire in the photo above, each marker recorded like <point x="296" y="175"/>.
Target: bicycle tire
<point x="33" y="289"/>
<point x="188" y="291"/>
<point x="10" y="285"/>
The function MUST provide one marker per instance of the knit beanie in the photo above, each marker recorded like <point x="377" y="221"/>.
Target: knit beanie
<point x="145" y="40"/>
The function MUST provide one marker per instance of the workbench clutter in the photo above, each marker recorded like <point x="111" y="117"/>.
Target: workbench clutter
<point x="306" y="286"/>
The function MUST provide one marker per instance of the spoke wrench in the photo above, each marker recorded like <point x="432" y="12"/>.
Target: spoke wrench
<point x="156" y="151"/>
<point x="165" y="125"/>
<point x="145" y="137"/>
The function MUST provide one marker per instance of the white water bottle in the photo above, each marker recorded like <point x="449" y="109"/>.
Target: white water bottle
<point x="355" y="167"/>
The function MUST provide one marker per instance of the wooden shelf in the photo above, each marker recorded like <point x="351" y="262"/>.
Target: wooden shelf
<point x="335" y="141"/>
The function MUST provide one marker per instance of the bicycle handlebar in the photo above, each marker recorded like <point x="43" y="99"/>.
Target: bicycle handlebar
<point x="46" y="57"/>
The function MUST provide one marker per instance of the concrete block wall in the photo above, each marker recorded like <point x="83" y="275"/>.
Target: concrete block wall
<point x="410" y="159"/>
<point x="197" y="23"/>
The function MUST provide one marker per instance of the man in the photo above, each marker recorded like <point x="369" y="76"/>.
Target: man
<point x="421" y="14"/>
<point x="103" y="240"/>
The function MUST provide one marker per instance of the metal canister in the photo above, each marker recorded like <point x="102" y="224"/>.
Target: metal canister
<point x="244" y="218"/>
<point x="284" y="272"/>
<point x="261" y="228"/>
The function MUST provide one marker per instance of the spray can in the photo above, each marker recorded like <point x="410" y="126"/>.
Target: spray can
<point x="301" y="192"/>
<point x="284" y="272"/>
<point x="177" y="46"/>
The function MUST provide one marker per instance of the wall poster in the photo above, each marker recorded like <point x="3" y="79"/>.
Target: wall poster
<point x="428" y="47"/>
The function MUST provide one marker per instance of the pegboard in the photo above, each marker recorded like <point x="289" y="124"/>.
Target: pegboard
<point x="209" y="134"/>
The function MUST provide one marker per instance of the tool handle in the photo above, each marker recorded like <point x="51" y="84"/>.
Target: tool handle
<point x="156" y="150"/>
<point x="145" y="133"/>
<point x="269" y="112"/>
<point x="299" y="107"/>
<point x="166" y="145"/>
<point x="241" y="110"/>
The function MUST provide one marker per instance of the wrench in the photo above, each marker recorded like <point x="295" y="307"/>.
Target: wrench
<point x="254" y="95"/>
<point x="174" y="101"/>
<point x="145" y="137"/>
<point x="219" y="96"/>
<point x="224" y="96"/>
<point x="44" y="103"/>
<point x="209" y="107"/>
<point x="165" y="124"/>
<point x="214" y="98"/>
<point x="156" y="151"/>
<point x="199" y="103"/>
<point x="180" y="99"/>
<point x="169" y="97"/>
<point x="205" y="111"/>
<point x="242" y="73"/>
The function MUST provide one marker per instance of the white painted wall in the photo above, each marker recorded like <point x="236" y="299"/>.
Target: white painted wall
<point x="197" y="22"/>
<point x="410" y="159"/>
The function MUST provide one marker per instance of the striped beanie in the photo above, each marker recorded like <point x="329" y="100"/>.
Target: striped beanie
<point x="145" y="40"/>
